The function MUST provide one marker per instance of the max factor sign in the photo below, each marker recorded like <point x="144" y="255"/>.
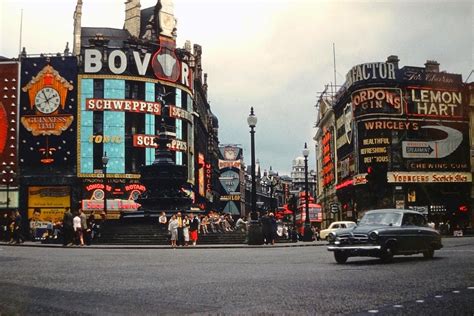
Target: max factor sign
<point x="371" y="71"/>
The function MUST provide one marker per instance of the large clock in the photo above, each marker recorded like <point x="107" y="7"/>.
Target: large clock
<point x="47" y="100"/>
<point x="230" y="154"/>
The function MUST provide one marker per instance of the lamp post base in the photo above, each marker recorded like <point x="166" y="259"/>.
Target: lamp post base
<point x="255" y="235"/>
<point x="308" y="233"/>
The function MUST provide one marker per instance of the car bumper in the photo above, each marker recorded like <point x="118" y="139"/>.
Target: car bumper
<point x="357" y="250"/>
<point x="354" y="248"/>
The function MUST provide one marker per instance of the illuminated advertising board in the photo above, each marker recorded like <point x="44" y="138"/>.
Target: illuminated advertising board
<point x="48" y="113"/>
<point x="328" y="157"/>
<point x="435" y="103"/>
<point x="419" y="145"/>
<point x="376" y="101"/>
<point x="8" y="120"/>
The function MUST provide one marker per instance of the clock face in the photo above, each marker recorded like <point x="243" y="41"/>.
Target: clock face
<point x="230" y="154"/>
<point x="47" y="100"/>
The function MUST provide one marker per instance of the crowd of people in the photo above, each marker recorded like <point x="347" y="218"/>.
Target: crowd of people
<point x="183" y="229"/>
<point x="11" y="228"/>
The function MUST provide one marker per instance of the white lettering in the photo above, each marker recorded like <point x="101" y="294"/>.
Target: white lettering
<point x="142" y="65"/>
<point x="122" y="64"/>
<point x="92" y="61"/>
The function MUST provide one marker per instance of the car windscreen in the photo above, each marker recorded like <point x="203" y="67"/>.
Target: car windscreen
<point x="387" y="219"/>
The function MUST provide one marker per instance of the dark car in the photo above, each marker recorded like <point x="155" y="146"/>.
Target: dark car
<point x="385" y="233"/>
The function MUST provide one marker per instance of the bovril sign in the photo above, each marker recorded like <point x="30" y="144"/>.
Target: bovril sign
<point x="118" y="63"/>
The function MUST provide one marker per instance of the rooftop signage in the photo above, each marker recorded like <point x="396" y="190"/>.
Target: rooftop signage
<point x="371" y="71"/>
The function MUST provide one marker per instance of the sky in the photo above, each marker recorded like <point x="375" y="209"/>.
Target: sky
<point x="273" y="55"/>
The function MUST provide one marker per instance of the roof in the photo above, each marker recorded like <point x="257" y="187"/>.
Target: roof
<point x="116" y="37"/>
<point x="392" y="210"/>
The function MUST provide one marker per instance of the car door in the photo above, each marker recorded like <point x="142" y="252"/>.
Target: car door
<point x="425" y="234"/>
<point x="408" y="234"/>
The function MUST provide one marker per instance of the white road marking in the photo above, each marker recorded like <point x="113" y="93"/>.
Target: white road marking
<point x="373" y="311"/>
<point x="471" y="288"/>
<point x="439" y="296"/>
<point x="420" y="301"/>
<point x="398" y="306"/>
<point x="457" y="292"/>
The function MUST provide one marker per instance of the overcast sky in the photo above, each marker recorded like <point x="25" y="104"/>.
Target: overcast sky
<point x="274" y="55"/>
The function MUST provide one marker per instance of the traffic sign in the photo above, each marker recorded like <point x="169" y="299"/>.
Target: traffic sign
<point x="335" y="207"/>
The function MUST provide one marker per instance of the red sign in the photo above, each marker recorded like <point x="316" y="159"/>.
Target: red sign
<point x="8" y="115"/>
<point x="328" y="164"/>
<point x="148" y="141"/>
<point x="123" y="106"/>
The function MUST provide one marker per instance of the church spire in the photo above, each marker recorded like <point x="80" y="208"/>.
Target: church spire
<point x="76" y="50"/>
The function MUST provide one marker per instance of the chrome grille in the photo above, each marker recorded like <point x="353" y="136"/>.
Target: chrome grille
<point x="353" y="238"/>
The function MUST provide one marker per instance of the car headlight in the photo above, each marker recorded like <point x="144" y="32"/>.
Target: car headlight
<point x="332" y="237"/>
<point x="374" y="236"/>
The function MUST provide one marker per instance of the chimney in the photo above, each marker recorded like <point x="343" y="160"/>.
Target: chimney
<point x="393" y="59"/>
<point x="432" y="66"/>
<point x="132" y="17"/>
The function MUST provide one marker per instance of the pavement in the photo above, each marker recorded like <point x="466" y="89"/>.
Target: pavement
<point x="204" y="246"/>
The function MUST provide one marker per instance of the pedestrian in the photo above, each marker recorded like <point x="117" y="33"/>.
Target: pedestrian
<point x="84" y="227"/>
<point x="17" y="232"/>
<point x="266" y="228"/>
<point x="186" y="230"/>
<point x="180" y="240"/>
<point x="4" y="227"/>
<point x="173" y="230"/>
<point x="273" y="227"/>
<point x="68" y="230"/>
<point x="193" y="228"/>
<point x="204" y="224"/>
<point x="162" y="220"/>
<point x="241" y="225"/>
<point x="76" y="224"/>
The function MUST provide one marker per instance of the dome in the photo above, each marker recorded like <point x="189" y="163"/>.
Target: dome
<point x="215" y="120"/>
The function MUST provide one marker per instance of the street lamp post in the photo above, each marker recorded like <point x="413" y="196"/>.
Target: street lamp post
<point x="307" y="224"/>
<point x="254" y="230"/>
<point x="105" y="161"/>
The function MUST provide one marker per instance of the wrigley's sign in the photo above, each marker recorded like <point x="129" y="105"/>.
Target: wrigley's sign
<point x="429" y="177"/>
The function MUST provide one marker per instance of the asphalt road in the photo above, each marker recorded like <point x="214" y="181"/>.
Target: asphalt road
<point x="266" y="280"/>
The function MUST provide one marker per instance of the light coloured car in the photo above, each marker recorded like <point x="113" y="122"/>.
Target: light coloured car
<point x="335" y="226"/>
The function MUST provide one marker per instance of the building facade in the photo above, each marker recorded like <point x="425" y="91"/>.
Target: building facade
<point x="110" y="99"/>
<point x="408" y="130"/>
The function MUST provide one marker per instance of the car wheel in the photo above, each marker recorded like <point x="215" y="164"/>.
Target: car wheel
<point x="428" y="254"/>
<point x="340" y="257"/>
<point x="387" y="254"/>
<point x="327" y="238"/>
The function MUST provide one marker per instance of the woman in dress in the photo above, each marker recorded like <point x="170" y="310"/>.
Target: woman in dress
<point x="162" y="221"/>
<point x="186" y="230"/>
<point x="173" y="229"/>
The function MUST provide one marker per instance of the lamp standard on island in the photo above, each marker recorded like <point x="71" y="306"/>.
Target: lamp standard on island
<point x="308" y="234"/>
<point x="255" y="236"/>
<point x="105" y="161"/>
<point x="271" y="180"/>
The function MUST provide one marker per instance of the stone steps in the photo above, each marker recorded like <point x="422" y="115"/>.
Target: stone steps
<point x="150" y="234"/>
